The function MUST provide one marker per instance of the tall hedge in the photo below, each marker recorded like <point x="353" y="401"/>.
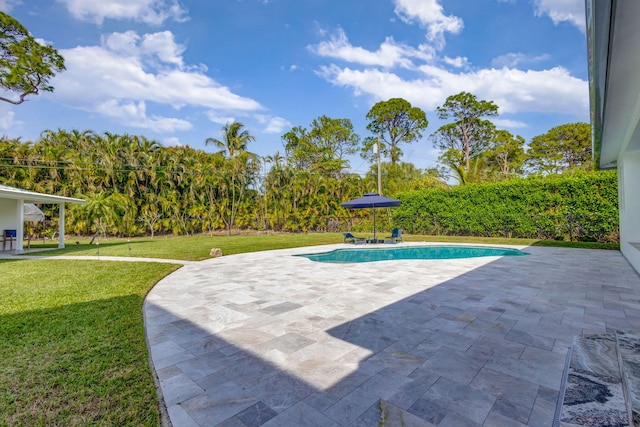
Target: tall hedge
<point x="583" y="206"/>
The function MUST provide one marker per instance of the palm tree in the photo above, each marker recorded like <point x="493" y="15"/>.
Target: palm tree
<point x="234" y="139"/>
<point x="242" y="166"/>
<point x="475" y="173"/>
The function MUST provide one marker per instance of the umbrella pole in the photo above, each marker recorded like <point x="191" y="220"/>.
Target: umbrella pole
<point x="375" y="238"/>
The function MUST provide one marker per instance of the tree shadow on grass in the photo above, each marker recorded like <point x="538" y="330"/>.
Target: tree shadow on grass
<point x="71" y="248"/>
<point x="78" y="364"/>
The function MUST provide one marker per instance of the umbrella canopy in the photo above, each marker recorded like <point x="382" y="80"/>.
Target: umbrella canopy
<point x="371" y="200"/>
<point x="32" y="213"/>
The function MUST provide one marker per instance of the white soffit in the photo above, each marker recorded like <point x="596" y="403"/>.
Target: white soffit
<point x="7" y="192"/>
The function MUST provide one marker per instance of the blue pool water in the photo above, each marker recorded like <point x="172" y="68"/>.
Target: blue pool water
<point x="410" y="252"/>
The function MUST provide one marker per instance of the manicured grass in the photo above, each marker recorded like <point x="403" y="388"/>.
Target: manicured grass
<point x="72" y="344"/>
<point x="193" y="248"/>
<point x="197" y="248"/>
<point x="579" y="245"/>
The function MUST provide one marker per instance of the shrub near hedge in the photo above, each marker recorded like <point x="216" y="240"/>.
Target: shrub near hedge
<point x="581" y="206"/>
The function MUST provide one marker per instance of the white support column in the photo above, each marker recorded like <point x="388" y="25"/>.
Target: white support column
<point x="61" y="225"/>
<point x="20" y="226"/>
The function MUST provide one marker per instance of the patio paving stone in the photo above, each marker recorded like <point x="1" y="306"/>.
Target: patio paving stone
<point x="282" y="391"/>
<point x="429" y="411"/>
<point x="471" y="403"/>
<point x="256" y="415"/>
<point x="216" y="405"/>
<point x="271" y="339"/>
<point x="386" y="414"/>
<point x="514" y="399"/>
<point x="454" y="365"/>
<point x="301" y="414"/>
<point x="527" y="338"/>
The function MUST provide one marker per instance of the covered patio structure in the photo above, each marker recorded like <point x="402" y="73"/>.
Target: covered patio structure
<point x="12" y="201"/>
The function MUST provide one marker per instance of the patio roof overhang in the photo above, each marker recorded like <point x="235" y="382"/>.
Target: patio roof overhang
<point x="614" y="82"/>
<point x="7" y="192"/>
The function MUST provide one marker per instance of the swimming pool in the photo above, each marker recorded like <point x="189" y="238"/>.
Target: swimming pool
<point x="410" y="252"/>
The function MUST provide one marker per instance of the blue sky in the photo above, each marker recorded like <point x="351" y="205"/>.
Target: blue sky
<point x="176" y="71"/>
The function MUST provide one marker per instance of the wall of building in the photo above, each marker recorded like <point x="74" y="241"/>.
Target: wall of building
<point x="8" y="214"/>
<point x="629" y="201"/>
<point x="8" y="217"/>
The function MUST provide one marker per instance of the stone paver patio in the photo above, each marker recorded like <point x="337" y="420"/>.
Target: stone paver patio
<point x="272" y="339"/>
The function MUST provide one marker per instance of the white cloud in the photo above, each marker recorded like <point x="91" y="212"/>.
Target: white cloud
<point x="274" y="124"/>
<point x="135" y="114"/>
<point x="163" y="46"/>
<point x="429" y="14"/>
<point x="43" y="41"/>
<point x="7" y="5"/>
<point x="513" y="90"/>
<point x="129" y="73"/>
<point x="215" y="117"/>
<point x="511" y="60"/>
<point x="458" y="62"/>
<point x="294" y="67"/>
<point x="172" y="141"/>
<point x="571" y="11"/>
<point x="7" y="118"/>
<point x="389" y="54"/>
<point x="155" y="48"/>
<point x="509" y="124"/>
<point x="153" y="12"/>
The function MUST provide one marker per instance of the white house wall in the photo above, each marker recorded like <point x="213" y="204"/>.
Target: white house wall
<point x="629" y="202"/>
<point x="8" y="208"/>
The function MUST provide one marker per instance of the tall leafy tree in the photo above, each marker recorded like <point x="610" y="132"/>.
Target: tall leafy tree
<point x="469" y="133"/>
<point x="396" y="122"/>
<point x="563" y="147"/>
<point x="295" y="142"/>
<point x="25" y="65"/>
<point x="333" y="139"/>
<point x="324" y="147"/>
<point x="505" y="155"/>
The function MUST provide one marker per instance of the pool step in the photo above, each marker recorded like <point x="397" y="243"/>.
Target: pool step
<point x="601" y="386"/>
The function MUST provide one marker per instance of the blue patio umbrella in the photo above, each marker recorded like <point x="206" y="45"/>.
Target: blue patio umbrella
<point x="371" y="201"/>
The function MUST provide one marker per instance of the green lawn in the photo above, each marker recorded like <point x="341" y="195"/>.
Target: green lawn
<point x="72" y="345"/>
<point x="192" y="248"/>
<point x="197" y="248"/>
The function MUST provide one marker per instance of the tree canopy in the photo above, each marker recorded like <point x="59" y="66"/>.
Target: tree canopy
<point x="324" y="148"/>
<point x="563" y="147"/>
<point x="505" y="154"/>
<point x="469" y="133"/>
<point x="25" y="65"/>
<point x="395" y="121"/>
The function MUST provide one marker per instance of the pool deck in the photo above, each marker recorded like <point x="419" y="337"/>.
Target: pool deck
<point x="270" y="339"/>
